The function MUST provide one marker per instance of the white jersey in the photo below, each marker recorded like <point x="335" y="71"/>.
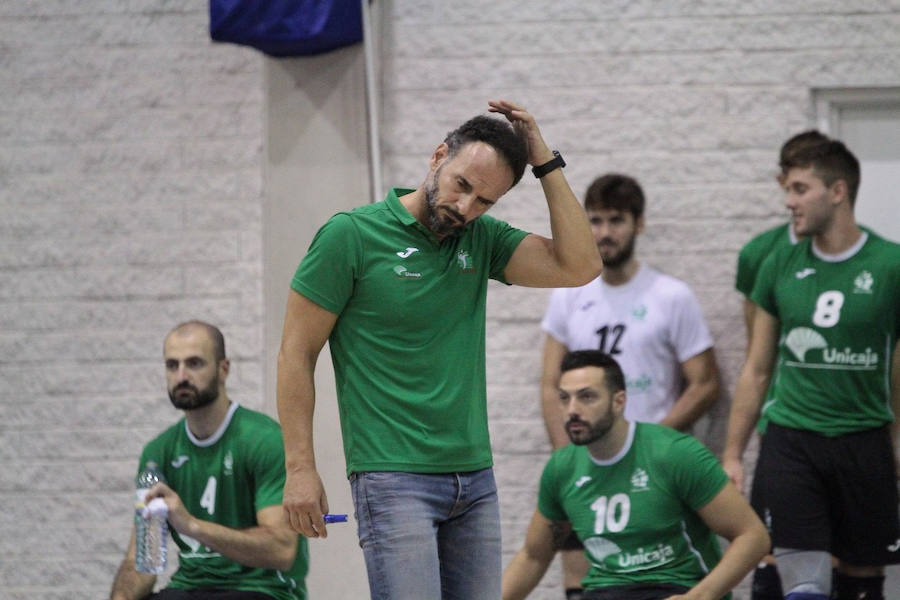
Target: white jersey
<point x="650" y="325"/>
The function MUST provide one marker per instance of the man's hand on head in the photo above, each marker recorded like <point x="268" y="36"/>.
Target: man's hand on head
<point x="538" y="151"/>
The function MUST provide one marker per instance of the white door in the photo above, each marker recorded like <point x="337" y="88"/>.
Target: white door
<point x="868" y="122"/>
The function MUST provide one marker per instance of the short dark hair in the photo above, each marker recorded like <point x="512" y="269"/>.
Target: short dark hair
<point x="831" y="160"/>
<point x="218" y="340"/>
<point x="498" y="134"/>
<point x="796" y="143"/>
<point x="613" y="376"/>
<point x="616" y="192"/>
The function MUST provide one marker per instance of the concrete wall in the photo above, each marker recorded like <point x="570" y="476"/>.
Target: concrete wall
<point x="316" y="163"/>
<point x="130" y="200"/>
<point x="131" y="179"/>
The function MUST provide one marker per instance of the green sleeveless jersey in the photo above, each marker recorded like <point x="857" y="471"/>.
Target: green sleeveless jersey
<point x="408" y="346"/>
<point x="636" y="514"/>
<point x="839" y="321"/>
<point x="226" y="479"/>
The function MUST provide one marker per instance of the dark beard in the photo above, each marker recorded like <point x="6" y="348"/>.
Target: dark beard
<point x="198" y="399"/>
<point x="594" y="432"/>
<point x="623" y="256"/>
<point x="440" y="226"/>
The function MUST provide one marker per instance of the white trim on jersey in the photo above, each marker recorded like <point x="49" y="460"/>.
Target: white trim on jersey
<point x="219" y="432"/>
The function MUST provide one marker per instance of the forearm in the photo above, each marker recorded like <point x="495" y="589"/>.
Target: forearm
<point x="128" y="583"/>
<point x="295" y="397"/>
<point x="554" y="419"/>
<point x="743" y="554"/>
<point x="693" y="403"/>
<point x="744" y="414"/>
<point x="259" y="546"/>
<point x="574" y="247"/>
<point x="131" y="585"/>
<point x="522" y="575"/>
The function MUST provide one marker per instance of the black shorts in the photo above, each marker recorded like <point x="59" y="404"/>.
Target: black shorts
<point x="835" y="494"/>
<point x="635" y="591"/>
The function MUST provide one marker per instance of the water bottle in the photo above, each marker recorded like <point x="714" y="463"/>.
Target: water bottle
<point x="150" y="525"/>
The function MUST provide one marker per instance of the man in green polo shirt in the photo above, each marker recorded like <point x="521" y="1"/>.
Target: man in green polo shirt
<point x="398" y="289"/>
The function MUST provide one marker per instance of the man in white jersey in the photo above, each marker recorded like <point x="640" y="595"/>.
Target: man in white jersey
<point x="649" y="322"/>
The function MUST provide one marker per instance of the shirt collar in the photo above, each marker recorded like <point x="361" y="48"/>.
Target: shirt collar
<point x="393" y="202"/>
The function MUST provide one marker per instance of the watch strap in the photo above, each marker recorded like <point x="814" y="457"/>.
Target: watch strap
<point x="556" y="162"/>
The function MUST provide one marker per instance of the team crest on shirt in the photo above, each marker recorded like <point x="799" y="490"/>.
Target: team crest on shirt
<point x="639" y="312"/>
<point x="464" y="262"/>
<point x="228" y="463"/>
<point x="639" y="480"/>
<point x="863" y="283"/>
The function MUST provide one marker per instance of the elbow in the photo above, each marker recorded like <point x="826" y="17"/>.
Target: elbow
<point x="585" y="272"/>
<point x="712" y="392"/>
<point x="764" y="542"/>
<point x="593" y="269"/>
<point x="756" y="540"/>
<point x="283" y="560"/>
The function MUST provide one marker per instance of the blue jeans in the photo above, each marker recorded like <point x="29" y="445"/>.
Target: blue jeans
<point x="429" y="536"/>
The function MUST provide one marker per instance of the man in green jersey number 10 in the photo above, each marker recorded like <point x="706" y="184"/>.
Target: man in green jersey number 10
<point x="646" y="502"/>
<point x="825" y="333"/>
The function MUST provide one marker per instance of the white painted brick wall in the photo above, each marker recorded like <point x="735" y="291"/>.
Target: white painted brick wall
<point x="131" y="196"/>
<point x="130" y="199"/>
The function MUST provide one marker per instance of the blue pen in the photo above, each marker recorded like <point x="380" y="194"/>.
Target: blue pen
<point x="335" y="518"/>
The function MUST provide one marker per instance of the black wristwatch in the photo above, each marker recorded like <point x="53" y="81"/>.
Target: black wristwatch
<point x="556" y="162"/>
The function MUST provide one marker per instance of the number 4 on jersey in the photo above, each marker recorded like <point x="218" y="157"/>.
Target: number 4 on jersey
<point x="208" y="499"/>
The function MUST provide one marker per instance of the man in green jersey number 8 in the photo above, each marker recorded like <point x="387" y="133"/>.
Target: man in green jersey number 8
<point x="825" y="334"/>
<point x="646" y="502"/>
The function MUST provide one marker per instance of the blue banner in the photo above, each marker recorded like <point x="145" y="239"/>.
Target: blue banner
<point x="286" y="27"/>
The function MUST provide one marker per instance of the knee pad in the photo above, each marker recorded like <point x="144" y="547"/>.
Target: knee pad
<point x="847" y="587"/>
<point x="804" y="572"/>
<point x="766" y="583"/>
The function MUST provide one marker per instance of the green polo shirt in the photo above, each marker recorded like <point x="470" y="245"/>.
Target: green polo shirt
<point x="408" y="344"/>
